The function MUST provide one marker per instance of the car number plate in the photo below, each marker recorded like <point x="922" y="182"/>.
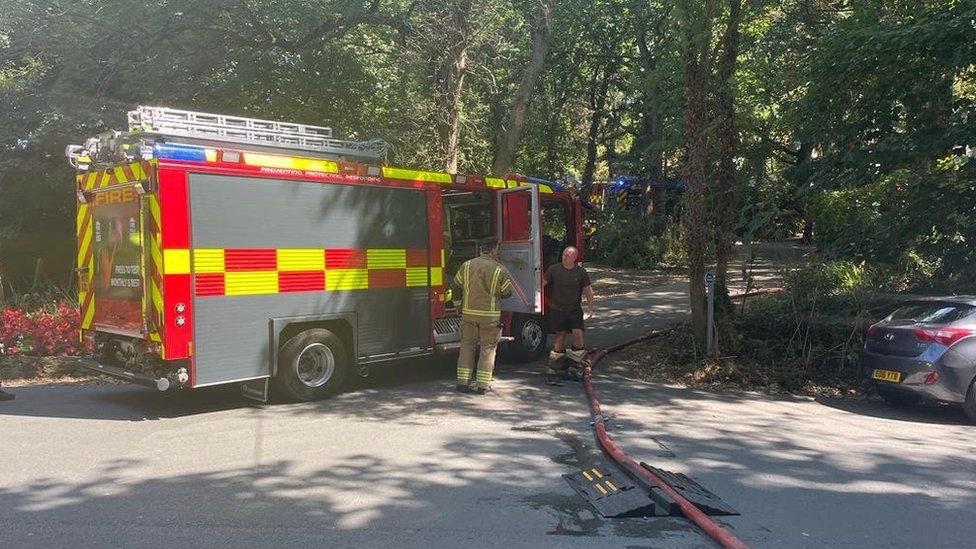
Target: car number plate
<point x="887" y="375"/>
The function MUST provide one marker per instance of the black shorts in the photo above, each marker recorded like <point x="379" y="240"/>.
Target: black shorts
<point x="564" y="321"/>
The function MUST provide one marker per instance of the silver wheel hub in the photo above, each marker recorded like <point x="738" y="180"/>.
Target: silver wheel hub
<point x="315" y="365"/>
<point x="532" y="335"/>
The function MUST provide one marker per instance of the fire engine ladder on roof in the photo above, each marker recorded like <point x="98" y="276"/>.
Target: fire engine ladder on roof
<point x="166" y="122"/>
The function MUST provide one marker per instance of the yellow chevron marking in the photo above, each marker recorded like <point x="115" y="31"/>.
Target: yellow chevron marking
<point x="154" y="253"/>
<point x="495" y="182"/>
<point x="587" y="476"/>
<point x="601" y="488"/>
<point x="597" y="473"/>
<point x="154" y="210"/>
<point x="610" y="484"/>
<point x="89" y="316"/>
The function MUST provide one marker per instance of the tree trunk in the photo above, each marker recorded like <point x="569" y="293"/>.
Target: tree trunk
<point x="697" y="26"/>
<point x="599" y="90"/>
<point x="726" y="199"/>
<point x="509" y="140"/>
<point x="450" y="81"/>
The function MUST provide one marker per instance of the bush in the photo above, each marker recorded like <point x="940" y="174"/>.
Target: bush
<point x="630" y="241"/>
<point x="49" y="330"/>
<point x="812" y="332"/>
<point x="917" y="224"/>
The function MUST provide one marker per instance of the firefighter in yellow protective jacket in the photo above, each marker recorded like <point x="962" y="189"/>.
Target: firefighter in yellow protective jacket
<point x="481" y="283"/>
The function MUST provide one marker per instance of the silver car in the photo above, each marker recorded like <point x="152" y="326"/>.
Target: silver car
<point x="925" y="349"/>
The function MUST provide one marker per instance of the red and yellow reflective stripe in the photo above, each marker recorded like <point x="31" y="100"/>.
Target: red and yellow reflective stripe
<point x="155" y="278"/>
<point x="112" y="176"/>
<point x="86" y="298"/>
<point x="261" y="271"/>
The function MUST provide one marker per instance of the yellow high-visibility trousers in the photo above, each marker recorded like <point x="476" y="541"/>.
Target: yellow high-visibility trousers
<point x="484" y="334"/>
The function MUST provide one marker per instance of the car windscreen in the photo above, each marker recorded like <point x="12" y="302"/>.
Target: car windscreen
<point x="931" y="312"/>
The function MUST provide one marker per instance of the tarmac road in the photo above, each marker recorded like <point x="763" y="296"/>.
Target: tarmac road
<point x="403" y="461"/>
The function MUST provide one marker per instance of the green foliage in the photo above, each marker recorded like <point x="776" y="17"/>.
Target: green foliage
<point x="809" y="335"/>
<point x="629" y="240"/>
<point x="917" y="225"/>
<point x="851" y="115"/>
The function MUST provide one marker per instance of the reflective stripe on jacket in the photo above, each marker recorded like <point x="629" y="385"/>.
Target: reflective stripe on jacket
<point x="482" y="283"/>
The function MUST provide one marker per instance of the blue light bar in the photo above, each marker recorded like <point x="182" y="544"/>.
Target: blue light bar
<point x="174" y="151"/>
<point x="555" y="186"/>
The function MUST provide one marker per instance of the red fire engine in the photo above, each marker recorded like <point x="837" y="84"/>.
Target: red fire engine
<point x="218" y="249"/>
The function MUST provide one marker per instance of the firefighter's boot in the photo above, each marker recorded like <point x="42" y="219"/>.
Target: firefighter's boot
<point x="578" y="360"/>
<point x="554" y="368"/>
<point x="576" y="355"/>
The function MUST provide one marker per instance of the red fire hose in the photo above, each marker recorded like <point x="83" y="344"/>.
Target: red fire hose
<point x="703" y="521"/>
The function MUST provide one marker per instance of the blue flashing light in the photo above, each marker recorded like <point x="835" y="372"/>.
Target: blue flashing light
<point x="552" y="184"/>
<point x="174" y="151"/>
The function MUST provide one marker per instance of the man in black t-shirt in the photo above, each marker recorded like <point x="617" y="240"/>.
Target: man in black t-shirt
<point x="566" y="282"/>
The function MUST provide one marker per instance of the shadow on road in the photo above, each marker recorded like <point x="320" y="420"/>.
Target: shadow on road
<point x="926" y="412"/>
<point x="342" y="501"/>
<point x="411" y="382"/>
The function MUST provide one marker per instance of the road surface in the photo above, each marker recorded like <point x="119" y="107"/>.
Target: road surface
<point x="403" y="461"/>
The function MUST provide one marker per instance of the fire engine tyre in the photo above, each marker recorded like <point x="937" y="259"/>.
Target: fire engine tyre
<point x="530" y="333"/>
<point x="311" y="365"/>
<point x="969" y="405"/>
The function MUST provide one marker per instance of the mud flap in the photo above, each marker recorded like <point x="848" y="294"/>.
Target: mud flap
<point x="256" y="389"/>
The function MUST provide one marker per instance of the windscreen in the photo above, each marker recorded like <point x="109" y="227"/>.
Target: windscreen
<point x="931" y="313"/>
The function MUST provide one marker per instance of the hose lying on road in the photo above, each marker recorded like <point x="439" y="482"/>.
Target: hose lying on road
<point x="703" y="521"/>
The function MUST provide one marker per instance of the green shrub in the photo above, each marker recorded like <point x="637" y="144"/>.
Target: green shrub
<point x="811" y="332"/>
<point x="625" y="239"/>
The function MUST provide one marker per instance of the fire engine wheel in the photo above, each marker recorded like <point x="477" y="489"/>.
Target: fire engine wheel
<point x="311" y="365"/>
<point x="530" y="334"/>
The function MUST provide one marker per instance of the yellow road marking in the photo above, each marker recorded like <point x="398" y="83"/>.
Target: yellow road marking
<point x="610" y="484"/>
<point x="587" y="475"/>
<point x="597" y="473"/>
<point x="600" y="488"/>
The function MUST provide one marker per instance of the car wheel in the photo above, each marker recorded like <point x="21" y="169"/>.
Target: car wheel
<point x="969" y="406"/>
<point x="311" y="365"/>
<point x="898" y="398"/>
<point x="530" y="333"/>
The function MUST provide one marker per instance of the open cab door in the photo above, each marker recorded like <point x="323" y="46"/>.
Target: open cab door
<point x="519" y="230"/>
